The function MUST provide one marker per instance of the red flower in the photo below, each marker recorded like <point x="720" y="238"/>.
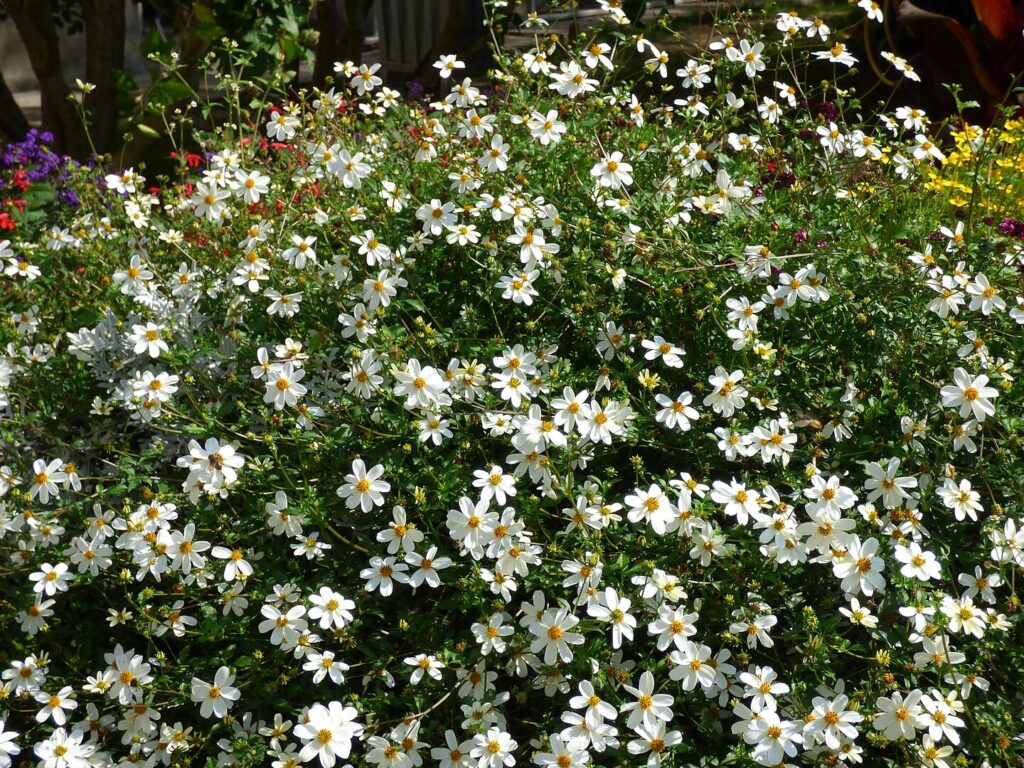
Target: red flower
<point x="20" y="179"/>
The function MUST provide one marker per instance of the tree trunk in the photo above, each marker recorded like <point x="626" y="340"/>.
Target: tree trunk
<point x="340" y="38"/>
<point x="34" y="23"/>
<point x="354" y="34"/>
<point x="13" y="123"/>
<point x="327" y="42"/>
<point x="104" y="35"/>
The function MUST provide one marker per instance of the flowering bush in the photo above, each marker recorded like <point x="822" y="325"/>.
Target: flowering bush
<point x="32" y="177"/>
<point x="561" y="422"/>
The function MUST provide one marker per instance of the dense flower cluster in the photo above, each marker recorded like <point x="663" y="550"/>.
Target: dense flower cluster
<point x="32" y="175"/>
<point x="550" y="424"/>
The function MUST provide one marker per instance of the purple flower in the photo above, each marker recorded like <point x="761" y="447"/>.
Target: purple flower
<point x="1012" y="227"/>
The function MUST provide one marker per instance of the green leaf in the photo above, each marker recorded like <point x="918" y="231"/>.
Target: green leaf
<point x="290" y="25"/>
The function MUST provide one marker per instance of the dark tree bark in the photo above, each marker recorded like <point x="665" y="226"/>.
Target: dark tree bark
<point x="326" y="19"/>
<point x="463" y="32"/>
<point x="340" y="37"/>
<point x="13" y="123"/>
<point x="34" y="22"/>
<point x="354" y="32"/>
<point x="104" y="35"/>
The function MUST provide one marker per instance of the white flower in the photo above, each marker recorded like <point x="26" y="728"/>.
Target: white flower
<point x="649" y="707"/>
<point x="427" y="565"/>
<point x="447" y="64"/>
<point x="859" y="614"/>
<point x="495" y="159"/>
<point x="454" y="754"/>
<point x="762" y="688"/>
<point x="283" y="304"/>
<point x="494" y="749"/>
<point x="252" y="186"/>
<point x="773" y="739"/>
<point x="837" y="54"/>
<point x="652" y="507"/>
<point x="518" y="286"/>
<point x="362" y="488"/>
<point x="597" y="710"/>
<point x="9" y="748"/>
<point x="424" y="664"/>
<point x="217" y="698"/>
<point x="281" y="126"/>
<point x="64" y="750"/>
<point x="301" y="251"/>
<point x="669" y="353"/>
<point x="832" y="722"/>
<point x="653" y="740"/>
<point x="678" y="413"/>
<point x="331" y="608"/>
<point x="612" y="172"/>
<point x="209" y="201"/>
<point x="859" y="568"/>
<point x="564" y="754"/>
<point x="364" y="81"/>
<point x="50" y="579"/>
<point x="963" y="615"/>
<point x="283" y="386"/>
<point x="55" y="704"/>
<point x="673" y="625"/>
<point x="738" y="501"/>
<point x="971" y="395"/>
<point x="546" y="128"/>
<point x="383" y="573"/>
<point x="984" y="296"/>
<point x="903" y="65"/>
<point x="883" y="482"/>
<point x="918" y="563"/>
<point x="491" y="635"/>
<point x="212" y="467"/>
<point x="727" y="394"/>
<point x="692" y="665"/>
<point x="898" y="716"/>
<point x="325" y="665"/>
<point x="609" y="607"/>
<point x="872" y="8"/>
<point x="749" y="55"/>
<point x="328" y="732"/>
<point x="828" y="496"/>
<point x="421" y="386"/>
<point x="494" y="484"/>
<point x="184" y="551"/>
<point x="45" y="477"/>
<point x="553" y="635"/>
<point x="400" y="534"/>
<point x="571" y="80"/>
<point x="148" y="339"/>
